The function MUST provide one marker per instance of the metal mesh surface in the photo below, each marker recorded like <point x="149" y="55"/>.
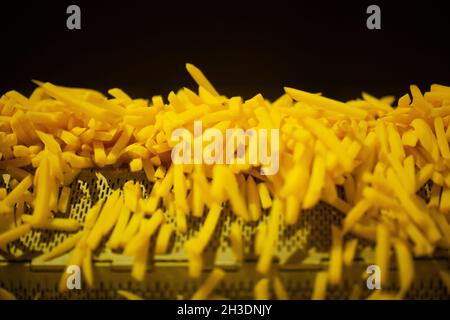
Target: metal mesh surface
<point x="301" y="252"/>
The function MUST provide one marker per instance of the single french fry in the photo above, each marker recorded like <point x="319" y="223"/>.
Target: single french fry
<point x="262" y="289"/>
<point x="210" y="283"/>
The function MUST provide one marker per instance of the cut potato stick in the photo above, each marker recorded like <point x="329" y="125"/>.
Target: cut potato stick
<point x="236" y="239"/>
<point x="320" y="286"/>
<point x="62" y="248"/>
<point x="280" y="291"/>
<point x="14" y="234"/>
<point x="209" y="285"/>
<point x="129" y="295"/>
<point x="336" y="257"/>
<point x="349" y="252"/>
<point x="261" y="290"/>
<point x="163" y="239"/>
<point x="266" y="255"/>
<point x="6" y="295"/>
<point x="405" y="266"/>
<point x="382" y="253"/>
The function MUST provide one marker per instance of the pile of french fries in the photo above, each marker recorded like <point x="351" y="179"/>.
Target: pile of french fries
<point x="381" y="154"/>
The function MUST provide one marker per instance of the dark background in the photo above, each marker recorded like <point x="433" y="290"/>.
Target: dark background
<point x="244" y="48"/>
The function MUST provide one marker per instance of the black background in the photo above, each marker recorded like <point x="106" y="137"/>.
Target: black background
<point x="243" y="47"/>
<point x="149" y="309"/>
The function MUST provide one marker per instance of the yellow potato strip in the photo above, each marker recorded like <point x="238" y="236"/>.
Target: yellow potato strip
<point x="62" y="248"/>
<point x="441" y="138"/>
<point x="6" y="295"/>
<point x="316" y="184"/>
<point x="200" y="78"/>
<point x="105" y="221"/>
<point x="355" y="214"/>
<point x="64" y="198"/>
<point x="349" y="252"/>
<point x="119" y="229"/>
<point x="207" y="230"/>
<point x="210" y="283"/>
<point x="16" y="194"/>
<point x="382" y="253"/>
<point x="280" y="290"/>
<point x="320" y="286"/>
<point x="260" y="236"/>
<point x="264" y="196"/>
<point x="261" y="290"/>
<point x="405" y="265"/>
<point x="14" y="234"/>
<point x="163" y="239"/>
<point x="336" y="257"/>
<point x="236" y="239"/>
<point x="326" y="103"/>
<point x="59" y="224"/>
<point x="88" y="271"/>
<point x="128" y="295"/>
<point x="266" y="255"/>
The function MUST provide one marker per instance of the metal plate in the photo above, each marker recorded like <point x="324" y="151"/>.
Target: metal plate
<point x="301" y="252"/>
